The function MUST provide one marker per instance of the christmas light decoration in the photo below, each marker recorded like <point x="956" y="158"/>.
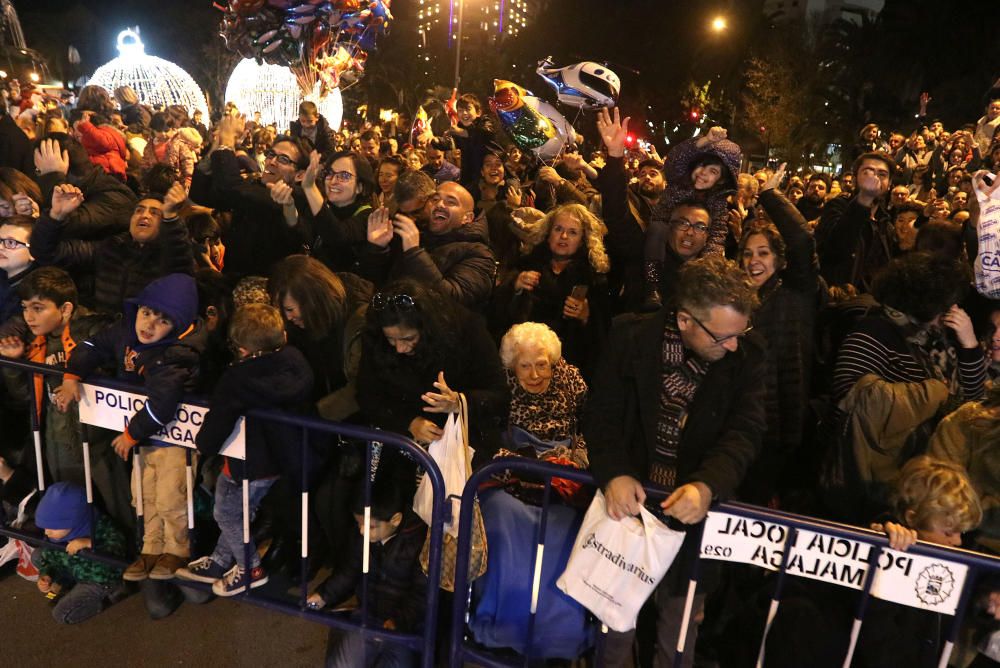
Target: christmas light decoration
<point x="155" y="80"/>
<point x="274" y="92"/>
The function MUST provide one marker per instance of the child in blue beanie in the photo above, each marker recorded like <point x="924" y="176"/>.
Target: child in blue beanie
<point x="86" y="586"/>
<point x="157" y="344"/>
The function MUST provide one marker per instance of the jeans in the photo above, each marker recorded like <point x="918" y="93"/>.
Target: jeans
<point x="82" y="602"/>
<point x="228" y="515"/>
<point x="345" y="649"/>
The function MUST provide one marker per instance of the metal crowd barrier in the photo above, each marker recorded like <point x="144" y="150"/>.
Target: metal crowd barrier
<point x="926" y="576"/>
<point x="422" y="643"/>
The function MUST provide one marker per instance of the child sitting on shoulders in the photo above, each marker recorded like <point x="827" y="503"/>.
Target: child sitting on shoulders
<point x="83" y="587"/>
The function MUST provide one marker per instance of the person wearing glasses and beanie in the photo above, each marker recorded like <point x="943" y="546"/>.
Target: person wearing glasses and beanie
<point x="677" y="402"/>
<point x="419" y="350"/>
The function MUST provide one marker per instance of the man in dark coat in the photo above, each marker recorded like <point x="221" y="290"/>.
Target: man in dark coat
<point x="678" y="402"/>
<point x="855" y="236"/>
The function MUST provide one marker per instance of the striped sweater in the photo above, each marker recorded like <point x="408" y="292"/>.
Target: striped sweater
<point x="879" y="347"/>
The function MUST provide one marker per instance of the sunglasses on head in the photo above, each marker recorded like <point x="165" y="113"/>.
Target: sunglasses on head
<point x="402" y="302"/>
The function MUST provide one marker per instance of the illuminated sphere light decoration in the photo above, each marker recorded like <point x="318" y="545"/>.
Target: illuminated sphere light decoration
<point x="155" y="80"/>
<point x="274" y="92"/>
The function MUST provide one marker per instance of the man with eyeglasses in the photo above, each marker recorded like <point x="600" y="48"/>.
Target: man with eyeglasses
<point x="855" y="237"/>
<point x="678" y="403"/>
<point x="259" y="235"/>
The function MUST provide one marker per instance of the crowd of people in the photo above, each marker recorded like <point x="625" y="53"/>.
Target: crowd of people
<point x="806" y="341"/>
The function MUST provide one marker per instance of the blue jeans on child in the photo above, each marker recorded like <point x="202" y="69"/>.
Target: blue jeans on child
<point x="228" y="515"/>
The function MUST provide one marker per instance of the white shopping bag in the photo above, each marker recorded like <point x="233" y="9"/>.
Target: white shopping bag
<point x="615" y="566"/>
<point x="987" y="264"/>
<point x="454" y="457"/>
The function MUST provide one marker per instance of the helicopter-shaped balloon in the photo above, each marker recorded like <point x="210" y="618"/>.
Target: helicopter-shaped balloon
<point x="585" y="85"/>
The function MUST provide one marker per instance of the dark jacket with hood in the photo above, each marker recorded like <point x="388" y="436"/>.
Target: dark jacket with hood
<point x="167" y="368"/>
<point x="458" y="263"/>
<point x="10" y="303"/>
<point x="121" y="267"/>
<point x="64" y="506"/>
<point x="325" y="142"/>
<point x="680" y="163"/>
<point x="280" y="380"/>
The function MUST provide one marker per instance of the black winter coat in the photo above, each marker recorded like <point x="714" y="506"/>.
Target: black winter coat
<point x="120" y="266"/>
<point x="325" y="142"/>
<point x="15" y="147"/>
<point x="724" y="425"/>
<point x="458" y="263"/>
<point x="397" y="586"/>
<point x="853" y="245"/>
<point x="785" y="319"/>
<point x="107" y="205"/>
<point x="280" y="381"/>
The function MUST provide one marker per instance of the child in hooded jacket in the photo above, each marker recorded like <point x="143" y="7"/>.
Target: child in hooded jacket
<point x="157" y="344"/>
<point x="83" y="587"/>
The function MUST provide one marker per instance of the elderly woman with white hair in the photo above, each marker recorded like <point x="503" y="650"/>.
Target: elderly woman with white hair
<point x="547" y="398"/>
<point x="547" y="394"/>
<point x="561" y="281"/>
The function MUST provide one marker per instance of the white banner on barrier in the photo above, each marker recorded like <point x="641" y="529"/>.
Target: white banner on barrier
<point x="909" y="579"/>
<point x="112" y="409"/>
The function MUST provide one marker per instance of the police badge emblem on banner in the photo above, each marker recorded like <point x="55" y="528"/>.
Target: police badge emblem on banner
<point x="927" y="583"/>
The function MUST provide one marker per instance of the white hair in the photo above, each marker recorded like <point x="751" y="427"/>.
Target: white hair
<point x="529" y="335"/>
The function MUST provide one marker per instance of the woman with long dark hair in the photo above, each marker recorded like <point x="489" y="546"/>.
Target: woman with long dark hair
<point x="419" y="350"/>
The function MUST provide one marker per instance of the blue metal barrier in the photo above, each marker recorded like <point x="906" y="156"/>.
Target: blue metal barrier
<point x="422" y="643"/>
<point x="463" y="648"/>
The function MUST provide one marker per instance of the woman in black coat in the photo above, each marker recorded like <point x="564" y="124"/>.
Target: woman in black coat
<point x="562" y="282"/>
<point x="419" y="350"/>
<point x="780" y="258"/>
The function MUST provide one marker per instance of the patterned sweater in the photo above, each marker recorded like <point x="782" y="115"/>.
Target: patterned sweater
<point x="62" y="567"/>
<point x="555" y="413"/>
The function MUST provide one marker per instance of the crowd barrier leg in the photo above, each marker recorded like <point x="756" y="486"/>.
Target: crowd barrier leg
<point x="246" y="529"/>
<point x="779" y="586"/>
<point x="956" y="621"/>
<point x="137" y="475"/>
<point x="36" y="434"/>
<point x="689" y="603"/>
<point x="366" y="548"/>
<point x="189" y="481"/>
<point x="859" y="615"/>
<point x="536" y="576"/>
<point x="88" y="481"/>
<point x="304" y="563"/>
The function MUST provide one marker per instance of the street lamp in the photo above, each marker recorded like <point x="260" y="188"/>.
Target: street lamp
<point x="719" y="24"/>
<point x="458" y="42"/>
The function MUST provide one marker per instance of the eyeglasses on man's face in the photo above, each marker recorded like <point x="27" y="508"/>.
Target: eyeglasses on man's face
<point x="281" y="158"/>
<point x="11" y="243"/>
<point x="719" y="340"/>
<point x="683" y="224"/>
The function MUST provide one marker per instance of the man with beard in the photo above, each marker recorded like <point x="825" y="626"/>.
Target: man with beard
<point x="626" y="211"/>
<point x="811" y="204"/>
<point x="452" y="254"/>
<point x="258" y="236"/>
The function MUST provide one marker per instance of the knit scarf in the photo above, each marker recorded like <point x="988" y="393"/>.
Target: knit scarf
<point x="930" y="348"/>
<point x="681" y="375"/>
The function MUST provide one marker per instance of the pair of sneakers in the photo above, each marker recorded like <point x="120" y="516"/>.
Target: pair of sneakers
<point x="153" y="566"/>
<point x="224" y="582"/>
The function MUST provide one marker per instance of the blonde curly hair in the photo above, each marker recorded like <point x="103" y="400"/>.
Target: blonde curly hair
<point x="593" y="234"/>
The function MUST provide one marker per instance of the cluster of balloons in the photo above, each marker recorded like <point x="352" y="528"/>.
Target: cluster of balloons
<point x="320" y="40"/>
<point x="536" y="126"/>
